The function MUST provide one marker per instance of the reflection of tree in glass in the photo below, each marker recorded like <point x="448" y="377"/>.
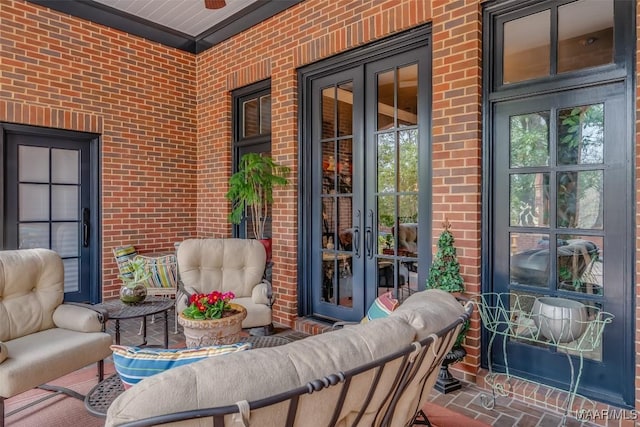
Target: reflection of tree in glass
<point x="408" y="160"/>
<point x="581" y="135"/>
<point x="403" y="178"/>
<point x="529" y="146"/>
<point x="529" y="139"/>
<point x="580" y="141"/>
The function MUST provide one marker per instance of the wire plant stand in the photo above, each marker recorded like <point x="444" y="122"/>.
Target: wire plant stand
<point x="510" y="315"/>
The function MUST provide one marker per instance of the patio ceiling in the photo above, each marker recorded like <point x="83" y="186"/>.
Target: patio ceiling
<point x="183" y="24"/>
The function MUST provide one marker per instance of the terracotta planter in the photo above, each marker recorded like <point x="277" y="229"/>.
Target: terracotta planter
<point x="226" y="330"/>
<point x="267" y="247"/>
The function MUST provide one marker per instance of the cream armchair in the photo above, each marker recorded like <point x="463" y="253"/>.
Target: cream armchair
<point x="41" y="338"/>
<point x="235" y="265"/>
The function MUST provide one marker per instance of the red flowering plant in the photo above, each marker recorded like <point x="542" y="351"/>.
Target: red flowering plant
<point x="209" y="306"/>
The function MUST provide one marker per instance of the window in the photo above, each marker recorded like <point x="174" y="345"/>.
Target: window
<point x="251" y="133"/>
<point x="561" y="37"/>
<point x="558" y="151"/>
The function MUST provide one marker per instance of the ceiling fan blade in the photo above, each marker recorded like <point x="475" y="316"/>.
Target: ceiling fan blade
<point x="214" y="4"/>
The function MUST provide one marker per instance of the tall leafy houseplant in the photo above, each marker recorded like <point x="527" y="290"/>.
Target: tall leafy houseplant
<point x="251" y="187"/>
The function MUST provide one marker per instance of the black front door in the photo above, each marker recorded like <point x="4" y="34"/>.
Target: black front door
<point x="368" y="181"/>
<point x="561" y="207"/>
<point x="50" y="201"/>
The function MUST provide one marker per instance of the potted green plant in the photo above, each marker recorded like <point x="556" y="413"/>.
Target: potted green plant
<point x="134" y="289"/>
<point x="444" y="274"/>
<point x="251" y="187"/>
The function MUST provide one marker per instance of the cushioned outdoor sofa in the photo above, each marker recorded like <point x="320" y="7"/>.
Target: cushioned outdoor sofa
<point x="377" y="373"/>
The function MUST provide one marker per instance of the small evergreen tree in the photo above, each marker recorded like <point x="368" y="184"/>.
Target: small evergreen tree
<point x="444" y="273"/>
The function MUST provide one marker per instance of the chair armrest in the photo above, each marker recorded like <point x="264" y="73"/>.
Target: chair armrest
<point x="340" y="325"/>
<point x="185" y="291"/>
<point x="80" y="317"/>
<point x="183" y="295"/>
<point x="262" y="293"/>
<point x="4" y="352"/>
<point x="103" y="314"/>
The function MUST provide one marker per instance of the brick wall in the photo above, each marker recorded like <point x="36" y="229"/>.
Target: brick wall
<point x="63" y="72"/>
<point x="314" y="30"/>
<point x="457" y="143"/>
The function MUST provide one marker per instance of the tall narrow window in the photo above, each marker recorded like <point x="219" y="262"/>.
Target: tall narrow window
<point x="251" y="134"/>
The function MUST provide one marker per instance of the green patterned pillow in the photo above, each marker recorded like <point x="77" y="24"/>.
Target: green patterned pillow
<point x="123" y="255"/>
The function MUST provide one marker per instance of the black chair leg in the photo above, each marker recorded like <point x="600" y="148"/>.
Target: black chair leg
<point x="1" y="411"/>
<point x="100" y="370"/>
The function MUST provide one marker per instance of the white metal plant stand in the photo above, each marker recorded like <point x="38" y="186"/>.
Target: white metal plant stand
<point x="511" y="316"/>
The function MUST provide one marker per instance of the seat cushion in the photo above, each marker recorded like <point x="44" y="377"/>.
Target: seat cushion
<point x="134" y="364"/>
<point x="30" y="363"/>
<point x="257" y="314"/>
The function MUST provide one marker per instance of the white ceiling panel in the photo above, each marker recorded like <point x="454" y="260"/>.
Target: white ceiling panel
<point x="187" y="16"/>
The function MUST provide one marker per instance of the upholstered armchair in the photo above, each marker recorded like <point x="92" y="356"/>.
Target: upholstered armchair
<point x="235" y="265"/>
<point x="42" y="338"/>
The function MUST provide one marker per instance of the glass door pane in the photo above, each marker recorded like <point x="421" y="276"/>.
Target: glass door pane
<point x="557" y="226"/>
<point x="396" y="194"/>
<point x="49" y="205"/>
<point x="337" y="194"/>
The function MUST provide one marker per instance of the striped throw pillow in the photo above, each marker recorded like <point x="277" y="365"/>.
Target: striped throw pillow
<point x="163" y="269"/>
<point x="123" y="255"/>
<point x="381" y="307"/>
<point x="134" y="364"/>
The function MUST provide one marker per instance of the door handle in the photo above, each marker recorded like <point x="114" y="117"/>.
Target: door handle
<point x="369" y="234"/>
<point x="356" y="234"/>
<point x="85" y="227"/>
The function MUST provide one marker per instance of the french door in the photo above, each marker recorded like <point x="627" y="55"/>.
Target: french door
<point x="561" y="205"/>
<point x="50" y="201"/>
<point x="368" y="182"/>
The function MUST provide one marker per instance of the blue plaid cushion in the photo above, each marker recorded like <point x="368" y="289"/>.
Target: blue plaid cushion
<point x="134" y="364"/>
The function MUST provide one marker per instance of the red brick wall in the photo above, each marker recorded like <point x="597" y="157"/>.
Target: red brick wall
<point x="457" y="146"/>
<point x="314" y="30"/>
<point x="63" y="72"/>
